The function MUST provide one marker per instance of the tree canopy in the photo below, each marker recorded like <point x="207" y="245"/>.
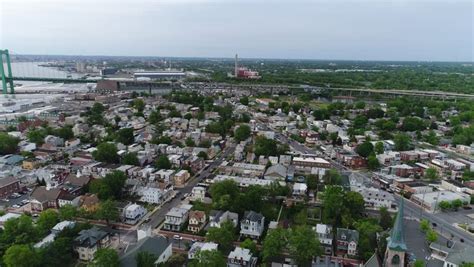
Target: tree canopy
<point x="106" y="152"/>
<point x="242" y="132"/>
<point x="8" y="144"/>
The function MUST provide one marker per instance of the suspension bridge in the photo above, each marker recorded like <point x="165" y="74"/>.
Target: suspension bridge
<point x="28" y="71"/>
<point x="57" y="73"/>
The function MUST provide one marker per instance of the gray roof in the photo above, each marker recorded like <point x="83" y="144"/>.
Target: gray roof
<point x="253" y="216"/>
<point x="42" y="194"/>
<point x="465" y="255"/>
<point x="90" y="237"/>
<point x="155" y="245"/>
<point x="350" y="235"/>
<point x="277" y="169"/>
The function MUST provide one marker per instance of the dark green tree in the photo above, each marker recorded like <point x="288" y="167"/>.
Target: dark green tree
<point x="96" y="114"/>
<point x="163" y="162"/>
<point x="402" y="142"/>
<point x="379" y="148"/>
<point x="106" y="152"/>
<point x="431" y="174"/>
<point x="365" y="149"/>
<point x="249" y="244"/>
<point x="67" y="212"/>
<point x="208" y="258"/>
<point x="108" y="211"/>
<point x="21" y="256"/>
<point x="64" y="132"/>
<point x="224" y="236"/>
<point x="242" y="132"/>
<point x="125" y="136"/>
<point x="385" y="220"/>
<point x="274" y="243"/>
<point x="8" y="144"/>
<point x="105" y="257"/>
<point x="130" y="159"/>
<point x="47" y="220"/>
<point x="372" y="162"/>
<point x="145" y="259"/>
<point x="202" y="155"/>
<point x="304" y="245"/>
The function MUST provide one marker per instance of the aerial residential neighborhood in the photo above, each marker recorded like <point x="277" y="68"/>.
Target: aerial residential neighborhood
<point x="196" y="174"/>
<point x="236" y="133"/>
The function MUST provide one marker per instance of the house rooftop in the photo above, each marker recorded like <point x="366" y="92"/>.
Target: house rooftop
<point x="90" y="237"/>
<point x="155" y="245"/>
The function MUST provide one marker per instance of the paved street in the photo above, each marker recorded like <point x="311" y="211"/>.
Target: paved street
<point x="159" y="215"/>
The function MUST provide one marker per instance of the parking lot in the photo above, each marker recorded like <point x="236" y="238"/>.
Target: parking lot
<point x="15" y="202"/>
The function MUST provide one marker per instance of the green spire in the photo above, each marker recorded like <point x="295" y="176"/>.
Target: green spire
<point x="397" y="239"/>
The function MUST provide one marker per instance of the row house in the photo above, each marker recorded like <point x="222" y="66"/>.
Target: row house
<point x="414" y="155"/>
<point x="346" y="242"/>
<point x="43" y="198"/>
<point x="218" y="217"/>
<point x="151" y="195"/>
<point x="252" y="225"/>
<point x="197" y="221"/>
<point x="176" y="218"/>
<point x="132" y="213"/>
<point x="195" y="163"/>
<point x="89" y="241"/>
<point x="197" y="247"/>
<point x="311" y="162"/>
<point x="198" y="193"/>
<point x="98" y="169"/>
<point x="351" y="159"/>
<point x="389" y="158"/>
<point x="402" y="170"/>
<point x="163" y="174"/>
<point x="325" y="235"/>
<point x="181" y="178"/>
<point x="375" y="198"/>
<point x="454" y="165"/>
<point x="247" y="169"/>
<point x="241" y="257"/>
<point x="176" y="160"/>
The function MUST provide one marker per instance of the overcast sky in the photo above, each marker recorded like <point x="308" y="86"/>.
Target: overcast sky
<point x="319" y="29"/>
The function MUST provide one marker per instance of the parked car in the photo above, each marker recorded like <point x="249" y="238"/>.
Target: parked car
<point x="177" y="237"/>
<point x="16" y="206"/>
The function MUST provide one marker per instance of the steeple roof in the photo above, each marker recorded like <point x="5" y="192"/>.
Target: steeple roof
<point x="397" y="239"/>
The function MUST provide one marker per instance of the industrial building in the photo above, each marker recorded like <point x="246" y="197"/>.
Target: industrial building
<point x="160" y="75"/>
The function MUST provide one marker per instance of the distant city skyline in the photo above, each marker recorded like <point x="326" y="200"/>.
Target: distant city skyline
<point x="398" y="30"/>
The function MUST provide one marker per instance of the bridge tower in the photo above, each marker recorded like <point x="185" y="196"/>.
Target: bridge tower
<point x="7" y="78"/>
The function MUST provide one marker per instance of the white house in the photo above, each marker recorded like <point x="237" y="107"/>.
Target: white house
<point x="151" y="195"/>
<point x="133" y="213"/>
<point x="241" y="257"/>
<point x="198" y="193"/>
<point x="201" y="246"/>
<point x="299" y="189"/>
<point x="252" y="225"/>
<point x="217" y="217"/>
<point x="176" y="217"/>
<point x="376" y="198"/>
<point x="325" y="236"/>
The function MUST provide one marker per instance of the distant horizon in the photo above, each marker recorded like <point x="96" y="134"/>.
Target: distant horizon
<point x="240" y="58"/>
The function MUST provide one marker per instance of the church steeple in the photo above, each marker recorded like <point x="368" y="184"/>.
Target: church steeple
<point x="396" y="247"/>
<point x="397" y="239"/>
